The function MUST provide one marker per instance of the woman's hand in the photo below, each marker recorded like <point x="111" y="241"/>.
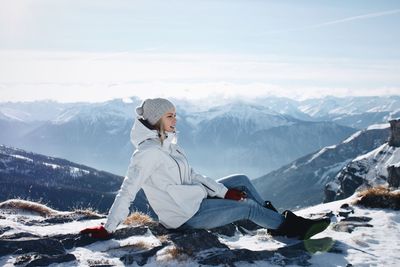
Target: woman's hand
<point x="235" y="194"/>
<point x="96" y="232"/>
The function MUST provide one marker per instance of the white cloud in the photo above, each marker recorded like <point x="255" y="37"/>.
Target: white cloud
<point x="78" y="76"/>
<point x="338" y="21"/>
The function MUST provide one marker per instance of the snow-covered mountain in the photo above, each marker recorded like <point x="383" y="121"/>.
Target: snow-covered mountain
<point x="302" y="182"/>
<point x="32" y="235"/>
<point x="356" y="112"/>
<point x="367" y="170"/>
<point x="253" y="139"/>
<point x="241" y="137"/>
<point x="34" y="111"/>
<point x="60" y="183"/>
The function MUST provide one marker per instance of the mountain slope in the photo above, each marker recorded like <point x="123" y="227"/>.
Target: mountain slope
<point x="368" y="170"/>
<point x="302" y="182"/>
<point x="62" y="184"/>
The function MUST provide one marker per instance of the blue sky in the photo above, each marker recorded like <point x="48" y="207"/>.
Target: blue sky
<point x="97" y="50"/>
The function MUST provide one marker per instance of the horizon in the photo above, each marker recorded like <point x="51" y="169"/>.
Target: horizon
<point x="95" y="51"/>
<point x="214" y="99"/>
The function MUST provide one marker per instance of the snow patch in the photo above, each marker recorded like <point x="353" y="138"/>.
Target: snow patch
<point x="22" y="157"/>
<point x="352" y="137"/>
<point x="378" y="126"/>
<point x="319" y="153"/>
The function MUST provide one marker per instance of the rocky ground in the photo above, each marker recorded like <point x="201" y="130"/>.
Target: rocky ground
<point x="29" y="238"/>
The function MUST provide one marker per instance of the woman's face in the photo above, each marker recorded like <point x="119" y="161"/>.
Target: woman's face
<point x="169" y="120"/>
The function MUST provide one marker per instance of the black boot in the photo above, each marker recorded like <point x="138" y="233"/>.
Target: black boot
<point x="298" y="227"/>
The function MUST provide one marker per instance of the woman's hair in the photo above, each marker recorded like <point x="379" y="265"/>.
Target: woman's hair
<point x="159" y="127"/>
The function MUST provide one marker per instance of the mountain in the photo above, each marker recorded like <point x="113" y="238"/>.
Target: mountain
<point x="93" y="134"/>
<point x="45" y="110"/>
<point x="59" y="183"/>
<point x="380" y="166"/>
<point x="238" y="136"/>
<point x="356" y="112"/>
<point x="241" y="136"/>
<point x="302" y="182"/>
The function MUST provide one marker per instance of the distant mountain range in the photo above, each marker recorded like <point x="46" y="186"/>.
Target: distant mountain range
<point x="252" y="137"/>
<point x="59" y="183"/>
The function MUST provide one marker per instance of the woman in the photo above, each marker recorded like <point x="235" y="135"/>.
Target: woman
<point x="180" y="197"/>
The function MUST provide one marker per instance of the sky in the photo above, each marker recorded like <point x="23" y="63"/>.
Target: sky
<point x="95" y="50"/>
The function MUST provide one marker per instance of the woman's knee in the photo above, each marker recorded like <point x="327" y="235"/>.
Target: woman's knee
<point x="241" y="178"/>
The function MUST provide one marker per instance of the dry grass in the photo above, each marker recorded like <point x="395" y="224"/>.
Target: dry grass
<point x="379" y="197"/>
<point x="163" y="238"/>
<point x="138" y="218"/>
<point x="29" y="206"/>
<point x="87" y="212"/>
<point x="175" y="253"/>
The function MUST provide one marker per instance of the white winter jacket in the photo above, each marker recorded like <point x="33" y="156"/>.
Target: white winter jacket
<point x="172" y="188"/>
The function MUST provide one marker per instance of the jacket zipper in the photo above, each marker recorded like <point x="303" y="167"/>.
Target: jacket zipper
<point x="189" y="175"/>
<point x="179" y="168"/>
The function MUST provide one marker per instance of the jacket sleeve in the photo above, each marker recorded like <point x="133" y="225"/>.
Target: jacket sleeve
<point x="214" y="189"/>
<point x="142" y="165"/>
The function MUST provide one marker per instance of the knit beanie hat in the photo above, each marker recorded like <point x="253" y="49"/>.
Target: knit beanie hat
<point x="153" y="109"/>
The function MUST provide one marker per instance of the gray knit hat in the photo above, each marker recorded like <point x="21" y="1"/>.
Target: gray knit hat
<point x="153" y="109"/>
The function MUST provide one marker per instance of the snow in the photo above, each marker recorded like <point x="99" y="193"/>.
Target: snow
<point x="77" y="171"/>
<point x="365" y="246"/>
<point x="319" y="153"/>
<point x="352" y="137"/>
<point x="21" y="157"/>
<point x="15" y="114"/>
<point x="54" y="166"/>
<point x="379" y="126"/>
<point x="376" y="246"/>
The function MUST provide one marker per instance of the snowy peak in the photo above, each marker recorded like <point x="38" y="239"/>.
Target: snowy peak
<point x="350" y="105"/>
<point x="241" y="116"/>
<point x="33" y="111"/>
<point x="119" y="109"/>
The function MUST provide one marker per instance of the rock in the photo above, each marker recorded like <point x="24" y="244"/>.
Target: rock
<point x="394" y="139"/>
<point x="357" y="219"/>
<point x="4" y="229"/>
<point x="393" y="176"/>
<point x="349" y="226"/>
<point x="298" y="254"/>
<point x="227" y="230"/>
<point x="72" y="217"/>
<point x="140" y="257"/>
<point x="43" y="260"/>
<point x="19" y="235"/>
<point x="46" y="246"/>
<point x="194" y="241"/>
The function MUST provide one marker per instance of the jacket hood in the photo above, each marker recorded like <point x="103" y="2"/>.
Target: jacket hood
<point x="140" y="133"/>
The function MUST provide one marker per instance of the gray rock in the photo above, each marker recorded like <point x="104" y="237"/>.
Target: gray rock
<point x="43" y="260"/>
<point x="46" y="246"/>
<point x="394" y="139"/>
